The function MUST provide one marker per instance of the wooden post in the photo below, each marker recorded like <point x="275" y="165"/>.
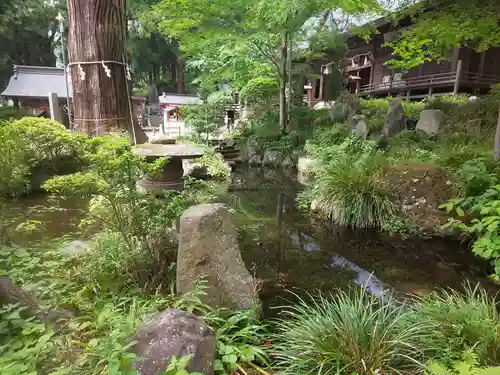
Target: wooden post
<point x="55" y="109"/>
<point x="457" y="77"/>
<point x="455" y="58"/>
<point x="431" y="89"/>
<point x="321" y="83"/>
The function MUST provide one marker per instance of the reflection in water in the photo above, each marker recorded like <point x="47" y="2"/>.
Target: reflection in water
<point x="286" y="251"/>
<point x="363" y="277"/>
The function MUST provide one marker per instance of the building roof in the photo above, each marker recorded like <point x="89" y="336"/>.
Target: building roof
<point x="179" y="99"/>
<point x="37" y="82"/>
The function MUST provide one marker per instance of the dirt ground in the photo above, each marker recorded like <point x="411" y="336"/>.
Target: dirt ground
<point x="421" y="189"/>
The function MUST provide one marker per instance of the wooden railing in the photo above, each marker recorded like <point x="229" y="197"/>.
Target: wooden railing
<point x="432" y="80"/>
<point x="413" y="82"/>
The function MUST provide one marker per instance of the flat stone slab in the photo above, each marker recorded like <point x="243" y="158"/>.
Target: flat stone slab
<point x="159" y="150"/>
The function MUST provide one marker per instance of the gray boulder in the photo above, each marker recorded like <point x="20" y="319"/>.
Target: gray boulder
<point x="289" y="161"/>
<point x="359" y="126"/>
<point x="431" y="121"/>
<point x="272" y="158"/>
<point x="178" y="333"/>
<point x="395" y="119"/>
<point x="208" y="248"/>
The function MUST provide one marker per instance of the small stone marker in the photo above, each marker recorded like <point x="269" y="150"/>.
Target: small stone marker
<point x="359" y="126"/>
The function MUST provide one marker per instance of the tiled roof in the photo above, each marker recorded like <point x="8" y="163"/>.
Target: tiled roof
<point x="37" y="82"/>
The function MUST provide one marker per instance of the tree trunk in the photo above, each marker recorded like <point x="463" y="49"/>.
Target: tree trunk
<point x="496" y="147"/>
<point x="282" y="73"/>
<point x="97" y="32"/>
<point x="180" y="75"/>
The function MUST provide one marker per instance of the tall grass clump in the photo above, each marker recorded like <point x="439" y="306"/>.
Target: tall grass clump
<point x="351" y="192"/>
<point x="461" y="322"/>
<point x="351" y="332"/>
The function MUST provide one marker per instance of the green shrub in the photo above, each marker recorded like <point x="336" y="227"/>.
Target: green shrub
<point x="351" y="192"/>
<point x="10" y="113"/>
<point x="449" y="104"/>
<point x="240" y="337"/>
<point x="216" y="166"/>
<point x="260" y="91"/>
<point x="375" y="107"/>
<point x="474" y="177"/>
<point x="96" y="341"/>
<point x="467" y="365"/>
<point x="484" y="227"/>
<point x="412" y="109"/>
<point x="348" y="333"/>
<point x="130" y="222"/>
<point x="81" y="184"/>
<point x="263" y="125"/>
<point x="453" y="156"/>
<point x="33" y="148"/>
<point x="323" y="138"/>
<point x="461" y="322"/>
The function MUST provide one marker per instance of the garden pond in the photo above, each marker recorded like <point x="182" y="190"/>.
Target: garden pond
<point x="290" y="253"/>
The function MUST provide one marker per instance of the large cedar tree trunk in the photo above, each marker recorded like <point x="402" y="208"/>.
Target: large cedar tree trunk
<point x="97" y="32"/>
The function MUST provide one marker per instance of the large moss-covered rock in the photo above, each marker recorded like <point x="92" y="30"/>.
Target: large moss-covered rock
<point x="208" y="248"/>
<point x="176" y="333"/>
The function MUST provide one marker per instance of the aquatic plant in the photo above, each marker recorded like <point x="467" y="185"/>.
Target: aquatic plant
<point x="468" y="321"/>
<point x="348" y="332"/>
<point x="401" y="226"/>
<point x="351" y="192"/>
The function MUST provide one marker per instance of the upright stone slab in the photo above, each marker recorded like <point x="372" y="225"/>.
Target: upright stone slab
<point x="431" y="121"/>
<point x="359" y="126"/>
<point x="395" y="119"/>
<point x="178" y="333"/>
<point x="55" y="109"/>
<point x="208" y="247"/>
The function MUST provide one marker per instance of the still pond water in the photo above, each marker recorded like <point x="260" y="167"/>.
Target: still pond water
<point x="288" y="251"/>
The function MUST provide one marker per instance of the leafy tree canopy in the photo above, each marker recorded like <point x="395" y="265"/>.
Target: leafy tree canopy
<point x="28" y="34"/>
<point x="448" y="24"/>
